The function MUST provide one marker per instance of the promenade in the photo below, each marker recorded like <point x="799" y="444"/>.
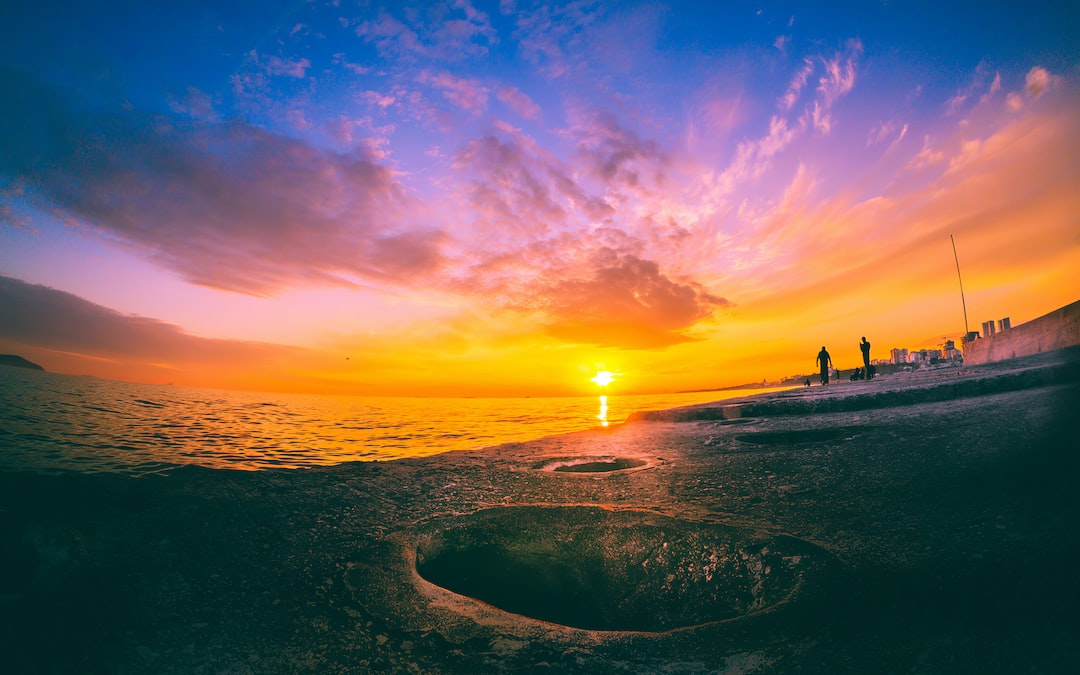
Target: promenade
<point x="919" y="523"/>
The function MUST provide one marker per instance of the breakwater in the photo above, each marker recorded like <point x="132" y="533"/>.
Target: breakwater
<point x="1057" y="330"/>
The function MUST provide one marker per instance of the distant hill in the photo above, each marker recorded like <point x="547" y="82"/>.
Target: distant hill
<point x="18" y="362"/>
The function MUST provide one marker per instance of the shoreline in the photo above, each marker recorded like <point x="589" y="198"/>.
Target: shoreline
<point x="896" y="536"/>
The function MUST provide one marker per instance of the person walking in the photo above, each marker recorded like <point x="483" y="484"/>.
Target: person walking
<point x="826" y="361"/>
<point x="865" y="347"/>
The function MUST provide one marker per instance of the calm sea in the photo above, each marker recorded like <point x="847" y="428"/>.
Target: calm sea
<point x="50" y="421"/>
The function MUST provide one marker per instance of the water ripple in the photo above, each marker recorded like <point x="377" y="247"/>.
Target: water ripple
<point x="50" y="422"/>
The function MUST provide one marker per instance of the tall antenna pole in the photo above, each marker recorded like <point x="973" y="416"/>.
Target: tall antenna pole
<point x="964" y="302"/>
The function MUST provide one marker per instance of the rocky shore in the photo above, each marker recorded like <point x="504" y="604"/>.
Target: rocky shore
<point x="923" y="523"/>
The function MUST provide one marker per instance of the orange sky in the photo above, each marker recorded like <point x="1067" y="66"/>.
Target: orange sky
<point x="537" y="208"/>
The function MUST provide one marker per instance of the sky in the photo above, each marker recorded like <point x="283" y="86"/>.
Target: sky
<point x="468" y="198"/>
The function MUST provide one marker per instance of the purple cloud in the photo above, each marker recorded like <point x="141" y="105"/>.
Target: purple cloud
<point x="290" y="67"/>
<point x="552" y="249"/>
<point x="549" y="34"/>
<point x="466" y="94"/>
<point x="229" y="205"/>
<point x="618" y="156"/>
<point x="521" y="194"/>
<point x="391" y="37"/>
<point x="519" y="102"/>
<point x="44" y="318"/>
<point x="442" y="31"/>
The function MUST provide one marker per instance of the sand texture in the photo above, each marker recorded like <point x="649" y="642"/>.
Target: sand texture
<point x="924" y="523"/>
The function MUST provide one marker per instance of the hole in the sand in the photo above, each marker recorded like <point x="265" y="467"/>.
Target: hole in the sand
<point x="799" y="435"/>
<point x="591" y="568"/>
<point x="591" y="465"/>
<point x="599" y="466"/>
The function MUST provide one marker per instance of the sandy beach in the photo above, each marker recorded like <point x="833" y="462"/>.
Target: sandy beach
<point x="920" y="523"/>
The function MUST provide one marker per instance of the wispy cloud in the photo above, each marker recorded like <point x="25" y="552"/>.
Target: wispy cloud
<point x="276" y="65"/>
<point x="196" y="104"/>
<point x="797" y="84"/>
<point x="838" y="79"/>
<point x="392" y="37"/>
<point x="891" y="132"/>
<point x="550" y="36"/>
<point x="754" y="157"/>
<point x="444" y="31"/>
<point x="518" y="101"/>
<point x="999" y="181"/>
<point x="468" y="94"/>
<point x="354" y="68"/>
<point x="980" y="89"/>
<point x="928" y="156"/>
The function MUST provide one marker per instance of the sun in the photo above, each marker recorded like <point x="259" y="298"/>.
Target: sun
<point x="603" y="378"/>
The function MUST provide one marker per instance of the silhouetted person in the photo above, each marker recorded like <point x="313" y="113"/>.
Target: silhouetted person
<point x="825" y="360"/>
<point x="865" y="347"/>
<point x="807" y="383"/>
<point x="857" y="374"/>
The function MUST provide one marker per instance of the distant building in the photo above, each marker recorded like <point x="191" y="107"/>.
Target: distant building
<point x="1004" y="325"/>
<point x="988" y="328"/>
<point x="899" y="356"/>
<point x="950" y="351"/>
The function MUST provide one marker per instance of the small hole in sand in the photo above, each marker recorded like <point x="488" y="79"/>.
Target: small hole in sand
<point x="601" y="466"/>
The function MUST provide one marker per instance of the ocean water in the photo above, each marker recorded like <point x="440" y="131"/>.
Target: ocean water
<point x="62" y="422"/>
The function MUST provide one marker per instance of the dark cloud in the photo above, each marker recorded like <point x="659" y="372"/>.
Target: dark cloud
<point x="522" y="194"/>
<point x="617" y="156"/>
<point x="226" y="205"/>
<point x="46" y="318"/>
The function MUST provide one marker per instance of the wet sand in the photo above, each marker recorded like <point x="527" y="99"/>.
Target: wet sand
<point x="924" y="523"/>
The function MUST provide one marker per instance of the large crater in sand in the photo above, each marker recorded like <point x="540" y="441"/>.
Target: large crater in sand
<point x="596" y="569"/>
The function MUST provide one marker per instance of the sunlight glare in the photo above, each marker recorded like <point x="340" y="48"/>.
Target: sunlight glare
<point x="603" y="378"/>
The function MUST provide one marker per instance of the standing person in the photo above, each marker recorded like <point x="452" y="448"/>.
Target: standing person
<point x="865" y="347"/>
<point x="825" y="360"/>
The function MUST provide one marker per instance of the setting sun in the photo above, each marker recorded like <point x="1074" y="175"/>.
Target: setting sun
<point x="454" y="210"/>
<point x="603" y="378"/>
<point x="299" y="299"/>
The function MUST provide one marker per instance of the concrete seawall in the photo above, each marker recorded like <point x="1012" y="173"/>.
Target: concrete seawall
<point x="1057" y="330"/>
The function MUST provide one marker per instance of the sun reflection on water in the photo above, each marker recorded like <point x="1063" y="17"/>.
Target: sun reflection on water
<point x="66" y="422"/>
